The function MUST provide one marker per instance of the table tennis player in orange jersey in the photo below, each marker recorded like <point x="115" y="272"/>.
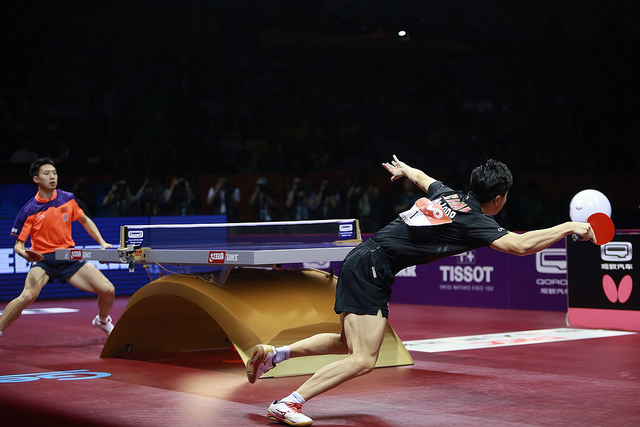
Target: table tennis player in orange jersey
<point x="442" y="223"/>
<point x="47" y="218"/>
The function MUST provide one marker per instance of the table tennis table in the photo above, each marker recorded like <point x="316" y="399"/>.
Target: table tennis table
<point x="218" y="255"/>
<point x="244" y="284"/>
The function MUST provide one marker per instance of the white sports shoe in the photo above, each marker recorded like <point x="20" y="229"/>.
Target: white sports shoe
<point x="107" y="326"/>
<point x="288" y="413"/>
<point x="261" y="361"/>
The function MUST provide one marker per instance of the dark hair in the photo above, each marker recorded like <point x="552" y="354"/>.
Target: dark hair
<point x="489" y="180"/>
<point x="34" y="169"/>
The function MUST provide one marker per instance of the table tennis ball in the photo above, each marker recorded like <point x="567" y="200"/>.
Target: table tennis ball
<point x="587" y="202"/>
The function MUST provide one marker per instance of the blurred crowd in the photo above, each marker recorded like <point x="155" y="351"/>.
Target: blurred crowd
<point x="200" y="116"/>
<point x="302" y="197"/>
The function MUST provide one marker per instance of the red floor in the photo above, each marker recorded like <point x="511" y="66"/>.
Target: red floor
<point x="593" y="382"/>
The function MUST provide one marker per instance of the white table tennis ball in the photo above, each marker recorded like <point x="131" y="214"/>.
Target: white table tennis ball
<point x="587" y="202"/>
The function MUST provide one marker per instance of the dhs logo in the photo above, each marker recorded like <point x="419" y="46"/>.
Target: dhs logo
<point x="75" y="254"/>
<point x="216" y="257"/>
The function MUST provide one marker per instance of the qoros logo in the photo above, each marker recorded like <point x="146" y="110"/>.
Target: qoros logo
<point x="135" y="234"/>
<point x="551" y="261"/>
<point x="345" y="231"/>
<point x="75" y="254"/>
<point x="135" y="237"/>
<point x="216" y="257"/>
<point x="616" y="256"/>
<point x="617" y="252"/>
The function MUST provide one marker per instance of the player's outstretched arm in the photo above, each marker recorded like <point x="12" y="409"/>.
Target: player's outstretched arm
<point x="399" y="169"/>
<point x="534" y="241"/>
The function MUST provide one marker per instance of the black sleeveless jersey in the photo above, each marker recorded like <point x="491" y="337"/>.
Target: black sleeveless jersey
<point x="443" y="223"/>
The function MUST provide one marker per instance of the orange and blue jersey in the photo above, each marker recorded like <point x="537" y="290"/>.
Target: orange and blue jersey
<point x="48" y="222"/>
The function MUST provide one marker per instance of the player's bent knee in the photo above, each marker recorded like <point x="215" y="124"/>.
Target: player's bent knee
<point x="99" y="283"/>
<point x="364" y="365"/>
<point x="108" y="290"/>
<point x="27" y="298"/>
<point x="365" y="369"/>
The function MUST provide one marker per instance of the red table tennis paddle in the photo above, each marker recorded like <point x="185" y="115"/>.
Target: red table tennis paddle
<point x="35" y="256"/>
<point x="602" y="227"/>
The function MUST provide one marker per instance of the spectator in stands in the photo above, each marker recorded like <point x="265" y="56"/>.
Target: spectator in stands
<point x="119" y="199"/>
<point x="327" y="201"/>
<point x="298" y="200"/>
<point x="264" y="206"/>
<point x="152" y="197"/>
<point x="224" y="199"/>
<point x="180" y="197"/>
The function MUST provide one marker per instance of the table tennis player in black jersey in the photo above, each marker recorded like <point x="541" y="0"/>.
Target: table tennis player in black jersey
<point x="442" y="223"/>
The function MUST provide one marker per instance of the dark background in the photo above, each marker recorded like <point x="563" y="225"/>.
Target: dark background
<point x="123" y="90"/>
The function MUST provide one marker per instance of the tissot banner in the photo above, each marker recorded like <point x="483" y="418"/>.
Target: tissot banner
<point x="487" y="278"/>
<point x="597" y="277"/>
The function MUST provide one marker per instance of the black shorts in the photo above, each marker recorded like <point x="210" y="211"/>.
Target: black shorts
<point x="61" y="270"/>
<point x="364" y="283"/>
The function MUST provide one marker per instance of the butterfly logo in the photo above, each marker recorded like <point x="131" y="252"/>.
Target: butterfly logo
<point x="617" y="293"/>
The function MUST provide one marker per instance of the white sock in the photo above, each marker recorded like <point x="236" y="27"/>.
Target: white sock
<point x="0" y="333"/>
<point x="282" y="353"/>
<point x="103" y="319"/>
<point x="294" y="398"/>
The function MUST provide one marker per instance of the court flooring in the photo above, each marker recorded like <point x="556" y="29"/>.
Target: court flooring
<point x="594" y="382"/>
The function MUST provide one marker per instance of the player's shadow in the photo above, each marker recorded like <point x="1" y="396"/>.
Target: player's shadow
<point x="363" y="420"/>
<point x="357" y="420"/>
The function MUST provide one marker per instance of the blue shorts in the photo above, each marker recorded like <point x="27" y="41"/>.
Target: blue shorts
<point x="364" y="283"/>
<point x="55" y="269"/>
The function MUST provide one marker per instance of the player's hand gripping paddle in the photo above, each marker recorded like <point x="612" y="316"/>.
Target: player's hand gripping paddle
<point x="602" y="227"/>
<point x="34" y="256"/>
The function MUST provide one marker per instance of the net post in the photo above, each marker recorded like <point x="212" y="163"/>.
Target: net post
<point x="357" y="225"/>
<point x="123" y="236"/>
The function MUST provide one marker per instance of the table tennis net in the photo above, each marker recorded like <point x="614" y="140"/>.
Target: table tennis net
<point x="247" y="234"/>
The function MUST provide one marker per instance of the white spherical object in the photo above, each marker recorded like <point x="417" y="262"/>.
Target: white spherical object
<point x="587" y="202"/>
